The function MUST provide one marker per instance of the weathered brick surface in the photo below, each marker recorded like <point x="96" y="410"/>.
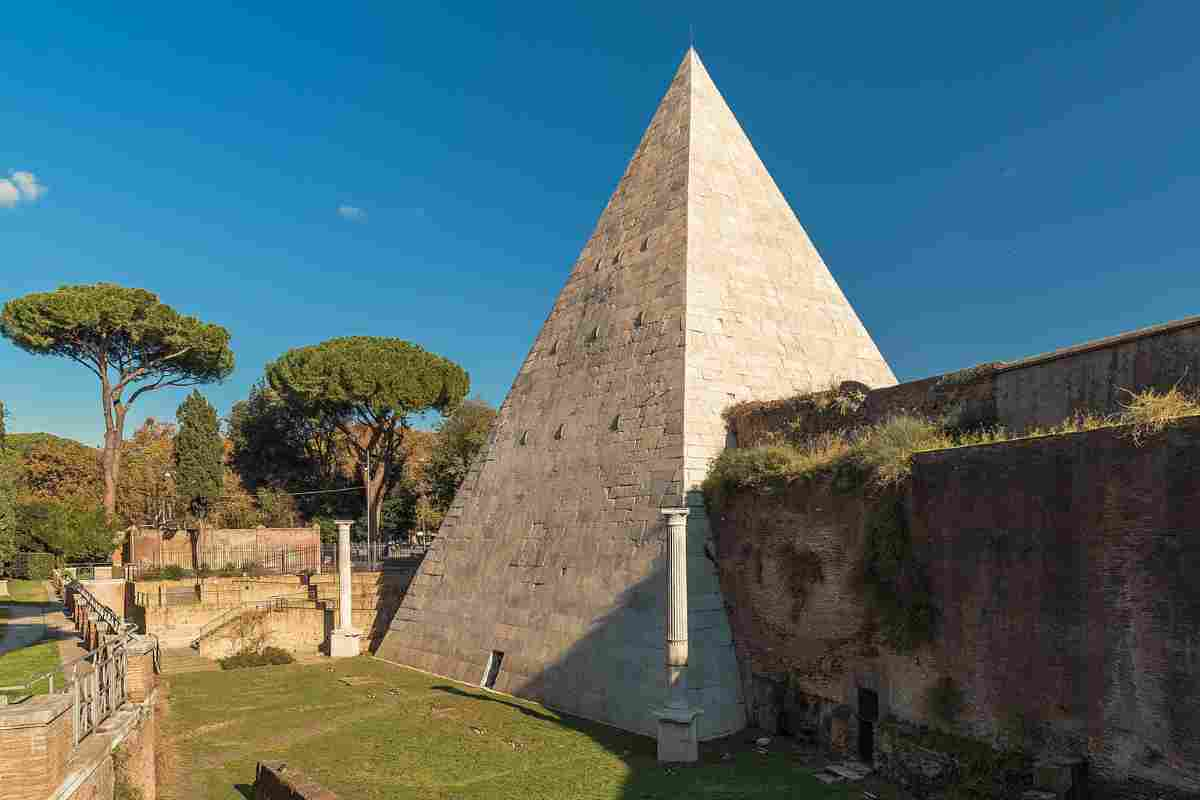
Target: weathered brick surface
<point x="697" y="286"/>
<point x="1065" y="569"/>
<point x="35" y="740"/>
<point x="1040" y="391"/>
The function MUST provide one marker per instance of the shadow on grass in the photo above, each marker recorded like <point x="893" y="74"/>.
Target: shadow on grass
<point x="246" y="790"/>
<point x="529" y="712"/>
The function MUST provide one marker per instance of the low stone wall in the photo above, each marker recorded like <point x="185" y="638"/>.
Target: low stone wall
<point x="275" y="780"/>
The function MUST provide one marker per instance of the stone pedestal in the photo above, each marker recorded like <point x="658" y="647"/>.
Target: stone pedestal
<point x="677" y="738"/>
<point x="343" y="642"/>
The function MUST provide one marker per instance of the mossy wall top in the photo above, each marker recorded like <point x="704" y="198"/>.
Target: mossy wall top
<point x="1040" y="391"/>
<point x="1065" y="570"/>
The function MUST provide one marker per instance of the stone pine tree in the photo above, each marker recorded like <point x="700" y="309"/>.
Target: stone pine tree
<point x="370" y="388"/>
<point x="125" y="337"/>
<point x="199" y="455"/>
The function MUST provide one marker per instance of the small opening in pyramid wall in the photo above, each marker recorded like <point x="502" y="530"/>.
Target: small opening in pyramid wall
<point x="524" y="438"/>
<point x="597" y="265"/>
<point x="492" y="671"/>
<point x="616" y="423"/>
<point x="616" y="258"/>
<point x="637" y="321"/>
<point x="645" y="243"/>
<point x="595" y="334"/>
<point x="554" y="347"/>
<point x="562" y="429"/>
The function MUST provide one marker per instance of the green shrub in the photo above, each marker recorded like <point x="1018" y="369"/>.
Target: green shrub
<point x="174" y="572"/>
<point x="944" y="700"/>
<point x="896" y="584"/>
<point x="885" y="449"/>
<point x="257" y="658"/>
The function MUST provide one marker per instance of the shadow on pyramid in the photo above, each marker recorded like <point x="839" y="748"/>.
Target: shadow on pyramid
<point x="697" y="289"/>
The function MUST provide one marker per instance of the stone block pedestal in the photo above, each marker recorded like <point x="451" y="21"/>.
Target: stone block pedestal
<point x="677" y="739"/>
<point x="344" y="643"/>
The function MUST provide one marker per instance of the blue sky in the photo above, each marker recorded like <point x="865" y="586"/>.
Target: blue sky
<point x="984" y="183"/>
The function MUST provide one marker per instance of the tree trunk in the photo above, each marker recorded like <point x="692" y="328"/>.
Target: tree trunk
<point x="110" y="466"/>
<point x="376" y="487"/>
<point x="110" y="463"/>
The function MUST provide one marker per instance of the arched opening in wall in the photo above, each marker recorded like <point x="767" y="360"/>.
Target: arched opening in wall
<point x="645" y="243"/>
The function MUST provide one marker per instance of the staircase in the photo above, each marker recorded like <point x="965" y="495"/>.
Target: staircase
<point x="184" y="660"/>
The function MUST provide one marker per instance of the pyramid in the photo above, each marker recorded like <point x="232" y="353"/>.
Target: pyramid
<point x="698" y="288"/>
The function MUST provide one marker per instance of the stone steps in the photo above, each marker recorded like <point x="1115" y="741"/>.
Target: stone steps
<point x="184" y="660"/>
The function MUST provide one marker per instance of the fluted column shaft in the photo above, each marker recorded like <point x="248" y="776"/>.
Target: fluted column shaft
<point x="677" y="607"/>
<point x="345" y="597"/>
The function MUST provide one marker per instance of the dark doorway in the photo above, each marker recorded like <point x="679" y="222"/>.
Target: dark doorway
<point x="868" y="715"/>
<point x="493" y="670"/>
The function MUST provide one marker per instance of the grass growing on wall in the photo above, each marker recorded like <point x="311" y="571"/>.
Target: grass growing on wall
<point x="876" y="460"/>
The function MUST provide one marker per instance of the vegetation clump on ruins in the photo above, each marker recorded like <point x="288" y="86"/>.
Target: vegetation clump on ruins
<point x="875" y="460"/>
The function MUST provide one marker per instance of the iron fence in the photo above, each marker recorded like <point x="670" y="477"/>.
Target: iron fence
<point x="254" y="561"/>
<point x="95" y="681"/>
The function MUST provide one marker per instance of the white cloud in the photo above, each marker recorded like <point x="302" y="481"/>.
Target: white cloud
<point x="352" y="213"/>
<point x="19" y="187"/>
<point x="28" y="185"/>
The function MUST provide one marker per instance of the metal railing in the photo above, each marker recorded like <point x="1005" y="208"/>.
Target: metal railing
<point x="276" y="603"/>
<point x="95" y="681"/>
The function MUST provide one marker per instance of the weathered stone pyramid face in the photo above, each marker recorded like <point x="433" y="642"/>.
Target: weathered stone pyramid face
<point x="697" y="288"/>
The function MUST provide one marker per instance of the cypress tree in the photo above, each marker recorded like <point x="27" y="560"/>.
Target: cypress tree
<point x="199" y="453"/>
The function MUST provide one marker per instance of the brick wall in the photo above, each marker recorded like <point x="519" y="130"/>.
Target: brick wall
<point x="1065" y="571"/>
<point x="1040" y="391"/>
<point x="35" y="741"/>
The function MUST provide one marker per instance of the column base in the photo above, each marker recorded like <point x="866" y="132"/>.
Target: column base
<point x="344" y="643"/>
<point x="677" y="737"/>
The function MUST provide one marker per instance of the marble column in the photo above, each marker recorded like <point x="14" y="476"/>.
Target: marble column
<point x="677" y="739"/>
<point x="343" y="642"/>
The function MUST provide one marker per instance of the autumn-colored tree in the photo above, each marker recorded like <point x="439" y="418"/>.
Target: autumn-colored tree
<point x="199" y="455"/>
<point x="130" y="341"/>
<point x="376" y="384"/>
<point x="9" y="470"/>
<point x="147" y="491"/>
<point x="61" y="470"/>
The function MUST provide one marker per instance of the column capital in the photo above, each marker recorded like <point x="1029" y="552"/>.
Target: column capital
<point x="673" y="513"/>
<point x="343" y="523"/>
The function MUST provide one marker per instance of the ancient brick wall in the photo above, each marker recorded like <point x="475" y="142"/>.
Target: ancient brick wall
<point x="1065" y="572"/>
<point x="1040" y="391"/>
<point x="152" y="547"/>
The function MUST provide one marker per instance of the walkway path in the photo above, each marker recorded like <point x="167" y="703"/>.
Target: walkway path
<point x="27" y="624"/>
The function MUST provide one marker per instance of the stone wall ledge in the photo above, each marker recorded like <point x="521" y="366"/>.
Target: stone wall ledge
<point x="36" y="712"/>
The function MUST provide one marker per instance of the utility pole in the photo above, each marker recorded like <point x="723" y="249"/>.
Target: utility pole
<point x="370" y="515"/>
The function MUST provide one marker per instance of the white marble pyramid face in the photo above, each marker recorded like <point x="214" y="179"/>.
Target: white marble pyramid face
<point x="697" y="289"/>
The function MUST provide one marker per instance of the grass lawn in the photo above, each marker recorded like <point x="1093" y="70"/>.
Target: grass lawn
<point x="18" y="666"/>
<point x="22" y="591"/>
<point x="398" y="733"/>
